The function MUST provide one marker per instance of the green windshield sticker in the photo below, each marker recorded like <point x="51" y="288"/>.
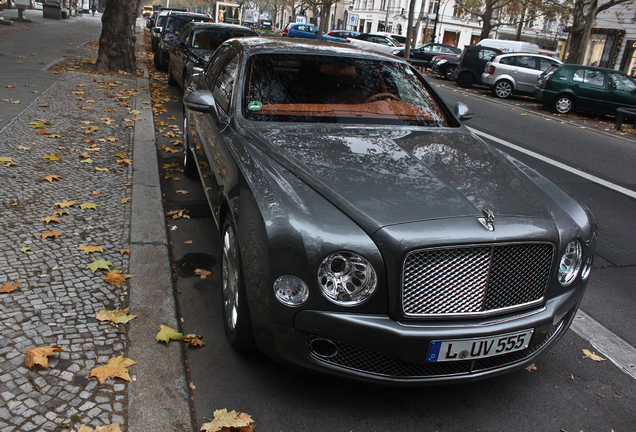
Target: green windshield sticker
<point x="254" y="106"/>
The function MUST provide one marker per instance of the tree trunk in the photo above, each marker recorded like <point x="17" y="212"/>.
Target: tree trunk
<point x="117" y="41"/>
<point x="487" y="18"/>
<point x="416" y="31"/>
<point x="325" y="11"/>
<point x="409" y="30"/>
<point x="582" y="23"/>
<point x="521" y="22"/>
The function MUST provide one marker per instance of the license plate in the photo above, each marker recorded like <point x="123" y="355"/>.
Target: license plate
<point x="470" y="349"/>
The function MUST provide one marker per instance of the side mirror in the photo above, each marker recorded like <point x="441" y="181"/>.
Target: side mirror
<point x="463" y="112"/>
<point x="200" y="101"/>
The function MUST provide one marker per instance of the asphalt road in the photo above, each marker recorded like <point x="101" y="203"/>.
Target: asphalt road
<point x="565" y="392"/>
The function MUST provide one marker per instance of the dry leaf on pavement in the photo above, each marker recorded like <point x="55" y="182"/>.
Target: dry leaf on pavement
<point x="101" y="264"/>
<point x="193" y="340"/>
<point x="117" y="316"/>
<point x="8" y="287"/>
<point x="116" y="277"/>
<point x="40" y="355"/>
<point x="49" y="219"/>
<point x="202" y="273"/>
<point x="54" y="234"/>
<point x="50" y="178"/>
<point x="90" y="249"/>
<point x="166" y="334"/>
<point x="108" y="428"/>
<point x="116" y="368"/>
<point x="531" y="368"/>
<point x="226" y="421"/>
<point x="589" y="354"/>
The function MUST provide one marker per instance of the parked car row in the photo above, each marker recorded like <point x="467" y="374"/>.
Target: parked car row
<point x="564" y="88"/>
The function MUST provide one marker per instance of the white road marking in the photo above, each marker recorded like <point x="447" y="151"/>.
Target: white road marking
<point x="607" y="343"/>
<point x="630" y="193"/>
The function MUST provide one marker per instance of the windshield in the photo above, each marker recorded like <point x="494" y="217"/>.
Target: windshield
<point x="176" y="23"/>
<point x="210" y="39"/>
<point x="304" y="88"/>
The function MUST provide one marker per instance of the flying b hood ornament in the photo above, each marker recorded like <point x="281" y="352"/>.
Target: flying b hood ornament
<point x="488" y="221"/>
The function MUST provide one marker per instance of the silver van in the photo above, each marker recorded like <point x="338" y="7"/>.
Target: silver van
<point x="516" y="73"/>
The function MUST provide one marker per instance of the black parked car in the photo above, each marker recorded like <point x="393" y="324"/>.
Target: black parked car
<point x="196" y="43"/>
<point x="175" y="22"/>
<point x="472" y="63"/>
<point x="364" y="231"/>
<point x="425" y="53"/>
<point x="444" y="65"/>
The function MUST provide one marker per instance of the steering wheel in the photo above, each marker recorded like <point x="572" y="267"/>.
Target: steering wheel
<point x="379" y="96"/>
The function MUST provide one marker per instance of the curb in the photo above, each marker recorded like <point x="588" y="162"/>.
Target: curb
<point x="159" y="398"/>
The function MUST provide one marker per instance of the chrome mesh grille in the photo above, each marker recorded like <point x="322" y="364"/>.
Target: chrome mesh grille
<point x="477" y="279"/>
<point x="375" y="363"/>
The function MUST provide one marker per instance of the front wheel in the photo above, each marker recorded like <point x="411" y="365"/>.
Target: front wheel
<point x="189" y="164"/>
<point x="448" y="72"/>
<point x="236" y="314"/>
<point x="563" y="104"/>
<point x="502" y="89"/>
<point x="466" y="80"/>
<point x="171" y="80"/>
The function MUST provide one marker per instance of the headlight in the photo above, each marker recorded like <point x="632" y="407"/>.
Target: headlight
<point x="395" y="52"/>
<point x="440" y="62"/>
<point x="290" y="290"/>
<point x="570" y="263"/>
<point x="346" y="278"/>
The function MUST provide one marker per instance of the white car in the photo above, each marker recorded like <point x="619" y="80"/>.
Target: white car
<point x="372" y="42"/>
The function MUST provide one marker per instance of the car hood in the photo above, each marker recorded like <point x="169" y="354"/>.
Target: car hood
<point x="384" y="177"/>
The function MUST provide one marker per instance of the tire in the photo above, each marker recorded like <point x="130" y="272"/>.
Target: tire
<point x="159" y="61"/>
<point x="171" y="80"/>
<point x="189" y="164"/>
<point x="236" y="314"/>
<point x="563" y="104"/>
<point x="449" y="71"/>
<point x="502" y="89"/>
<point x="466" y="80"/>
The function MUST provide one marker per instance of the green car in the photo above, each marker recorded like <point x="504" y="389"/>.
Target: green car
<point x="570" y="88"/>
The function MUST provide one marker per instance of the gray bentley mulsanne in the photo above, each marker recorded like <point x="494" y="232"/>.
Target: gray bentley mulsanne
<point x="365" y="232"/>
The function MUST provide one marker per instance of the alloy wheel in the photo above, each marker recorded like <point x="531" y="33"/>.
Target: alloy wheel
<point x="230" y="270"/>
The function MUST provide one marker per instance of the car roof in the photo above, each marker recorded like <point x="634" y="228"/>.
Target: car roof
<point x="578" y="66"/>
<point x="199" y="24"/>
<point x="257" y="45"/>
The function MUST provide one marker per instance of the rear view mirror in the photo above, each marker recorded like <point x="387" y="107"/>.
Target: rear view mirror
<point x="463" y="112"/>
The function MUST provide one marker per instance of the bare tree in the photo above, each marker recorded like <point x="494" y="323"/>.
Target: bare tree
<point x="584" y="13"/>
<point x="117" y="41"/>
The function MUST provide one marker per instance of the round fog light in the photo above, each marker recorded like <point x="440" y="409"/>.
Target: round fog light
<point x="290" y="290"/>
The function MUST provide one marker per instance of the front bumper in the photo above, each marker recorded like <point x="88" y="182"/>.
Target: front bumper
<point x="378" y="349"/>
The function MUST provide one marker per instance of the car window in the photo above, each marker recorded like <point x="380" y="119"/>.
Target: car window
<point x="593" y="77"/>
<point x="333" y="89"/>
<point x="224" y="85"/>
<point x="621" y="82"/>
<point x="544" y="64"/>
<point x="214" y="66"/>
<point x="527" y="62"/>
<point x="300" y="28"/>
<point x="508" y="60"/>
<point x="211" y="38"/>
<point x="184" y="35"/>
<point x="447" y="50"/>
<point x="487" y="54"/>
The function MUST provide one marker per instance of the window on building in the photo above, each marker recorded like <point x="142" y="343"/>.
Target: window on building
<point x="433" y="6"/>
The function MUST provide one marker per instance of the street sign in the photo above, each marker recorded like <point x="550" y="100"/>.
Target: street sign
<point x="353" y="20"/>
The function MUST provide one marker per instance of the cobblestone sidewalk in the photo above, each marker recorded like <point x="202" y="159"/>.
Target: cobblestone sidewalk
<point x="57" y="297"/>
